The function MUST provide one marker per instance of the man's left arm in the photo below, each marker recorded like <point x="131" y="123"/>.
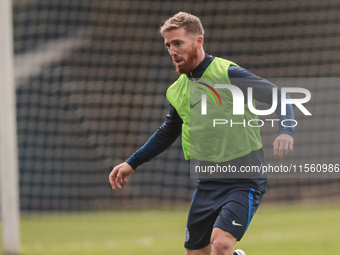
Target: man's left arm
<point x="263" y="92"/>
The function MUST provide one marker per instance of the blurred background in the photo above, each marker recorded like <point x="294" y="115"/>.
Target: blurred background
<point x="91" y="78"/>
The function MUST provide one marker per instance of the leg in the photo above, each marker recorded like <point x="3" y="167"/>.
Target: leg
<point x="204" y="251"/>
<point x="233" y="221"/>
<point x="219" y="217"/>
<point x="201" y="218"/>
<point x="222" y="242"/>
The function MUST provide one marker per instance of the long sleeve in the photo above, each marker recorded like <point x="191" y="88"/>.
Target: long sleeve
<point x="262" y="92"/>
<point x="166" y="134"/>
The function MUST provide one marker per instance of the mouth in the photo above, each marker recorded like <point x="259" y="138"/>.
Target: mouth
<point x="178" y="61"/>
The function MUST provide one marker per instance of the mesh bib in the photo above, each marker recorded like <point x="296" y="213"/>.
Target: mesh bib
<point x="210" y="131"/>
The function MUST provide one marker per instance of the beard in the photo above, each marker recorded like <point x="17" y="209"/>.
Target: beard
<point x="189" y="63"/>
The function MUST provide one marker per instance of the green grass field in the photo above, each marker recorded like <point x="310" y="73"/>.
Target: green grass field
<point x="275" y="230"/>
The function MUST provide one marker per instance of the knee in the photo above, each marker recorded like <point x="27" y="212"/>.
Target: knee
<point x="223" y="244"/>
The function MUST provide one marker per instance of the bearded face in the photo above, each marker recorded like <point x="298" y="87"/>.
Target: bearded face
<point x="185" y="65"/>
<point x="183" y="48"/>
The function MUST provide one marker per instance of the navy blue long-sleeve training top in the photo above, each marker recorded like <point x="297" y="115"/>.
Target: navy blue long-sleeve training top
<point x="169" y="131"/>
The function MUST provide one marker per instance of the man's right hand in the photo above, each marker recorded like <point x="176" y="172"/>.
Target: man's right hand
<point x="119" y="174"/>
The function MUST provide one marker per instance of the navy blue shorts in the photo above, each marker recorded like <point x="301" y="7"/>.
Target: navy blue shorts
<point x="228" y="209"/>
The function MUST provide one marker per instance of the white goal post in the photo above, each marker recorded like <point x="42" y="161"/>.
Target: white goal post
<point x="10" y="212"/>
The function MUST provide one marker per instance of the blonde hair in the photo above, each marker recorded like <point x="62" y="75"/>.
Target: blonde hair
<point x="189" y="22"/>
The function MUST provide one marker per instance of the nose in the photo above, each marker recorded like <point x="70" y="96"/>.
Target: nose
<point x="172" y="51"/>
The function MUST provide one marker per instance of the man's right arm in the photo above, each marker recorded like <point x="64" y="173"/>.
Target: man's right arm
<point x="166" y="134"/>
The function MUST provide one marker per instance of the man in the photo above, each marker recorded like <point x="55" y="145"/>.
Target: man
<point x="221" y="208"/>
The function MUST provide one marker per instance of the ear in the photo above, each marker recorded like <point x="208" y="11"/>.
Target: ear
<point x="199" y="41"/>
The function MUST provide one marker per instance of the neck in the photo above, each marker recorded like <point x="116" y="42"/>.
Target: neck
<point x="200" y="58"/>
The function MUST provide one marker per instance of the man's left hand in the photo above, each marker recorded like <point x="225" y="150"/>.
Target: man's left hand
<point x="283" y="145"/>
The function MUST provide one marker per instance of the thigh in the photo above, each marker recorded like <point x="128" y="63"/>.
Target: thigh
<point x="202" y="216"/>
<point x="235" y="216"/>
